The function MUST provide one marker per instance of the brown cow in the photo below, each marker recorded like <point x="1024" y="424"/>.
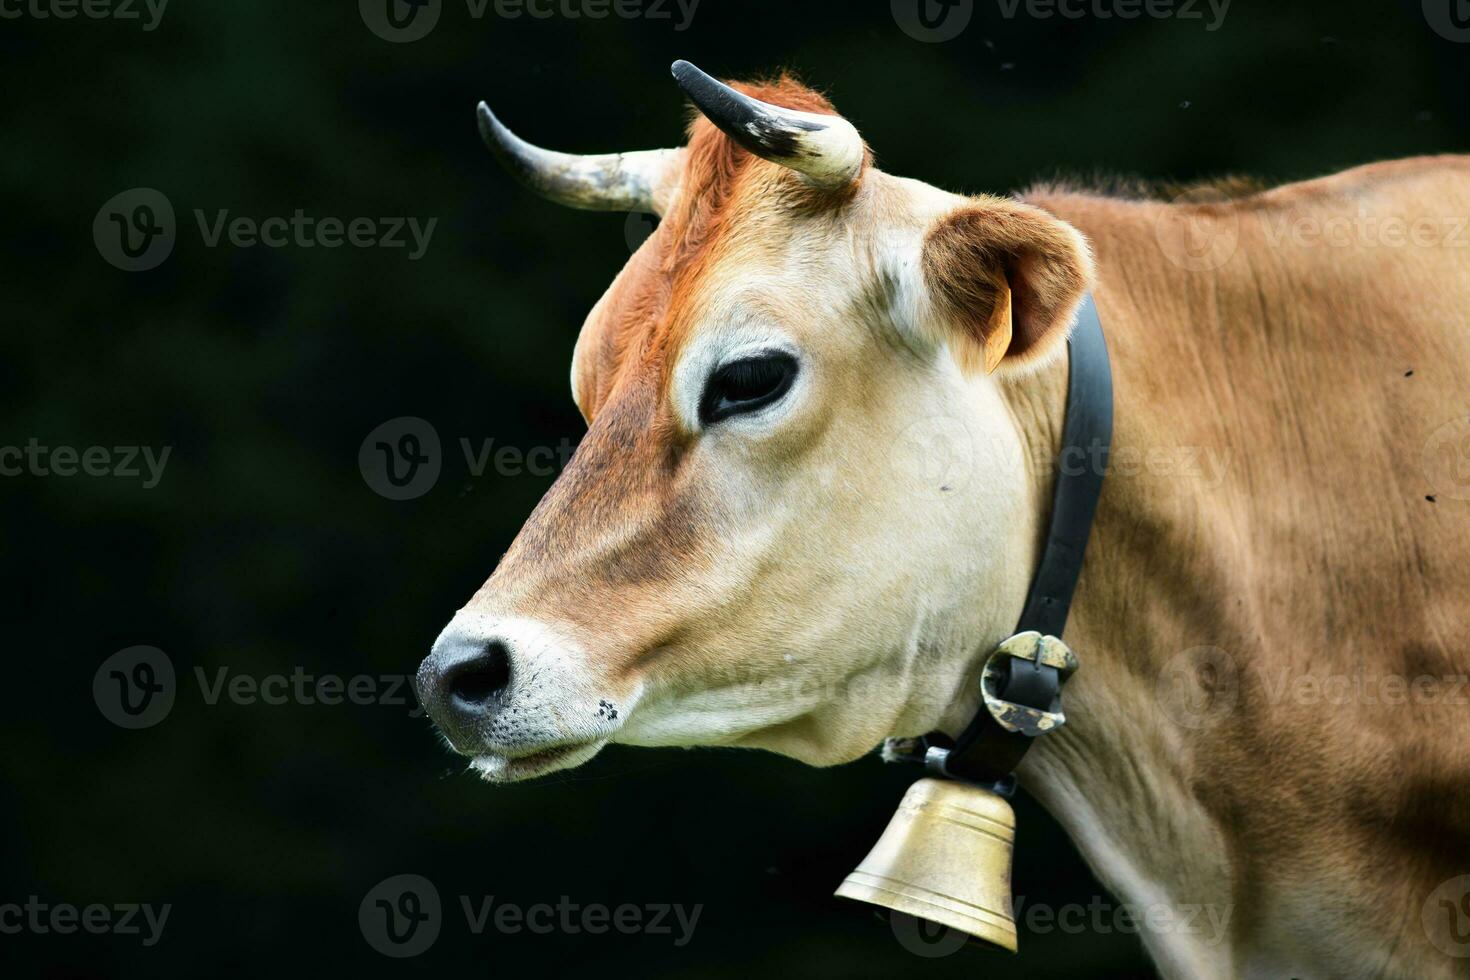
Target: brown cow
<point x="824" y="405"/>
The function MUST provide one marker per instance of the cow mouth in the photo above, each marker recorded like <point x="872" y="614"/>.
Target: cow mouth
<point x="496" y="768"/>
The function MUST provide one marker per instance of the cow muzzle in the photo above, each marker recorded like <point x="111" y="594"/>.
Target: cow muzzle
<point x="516" y="697"/>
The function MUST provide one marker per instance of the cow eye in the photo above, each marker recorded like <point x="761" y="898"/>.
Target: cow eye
<point x="746" y="385"/>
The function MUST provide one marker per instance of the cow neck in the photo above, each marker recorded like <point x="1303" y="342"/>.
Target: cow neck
<point x="1020" y="696"/>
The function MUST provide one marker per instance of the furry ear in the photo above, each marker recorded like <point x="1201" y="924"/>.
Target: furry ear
<point x="1005" y="279"/>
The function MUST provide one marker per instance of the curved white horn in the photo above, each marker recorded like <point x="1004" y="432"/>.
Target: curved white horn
<point x="827" y="150"/>
<point x="593" y="182"/>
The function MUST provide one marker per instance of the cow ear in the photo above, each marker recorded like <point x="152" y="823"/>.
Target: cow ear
<point x="1004" y="280"/>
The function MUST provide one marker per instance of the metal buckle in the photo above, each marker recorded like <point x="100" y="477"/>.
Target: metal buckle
<point x="933" y="750"/>
<point x="1047" y="651"/>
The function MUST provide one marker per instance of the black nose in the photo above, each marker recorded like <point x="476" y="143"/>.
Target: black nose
<point x="472" y="683"/>
<point x="465" y="684"/>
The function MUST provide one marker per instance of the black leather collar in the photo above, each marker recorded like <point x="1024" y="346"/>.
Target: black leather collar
<point x="1021" y="683"/>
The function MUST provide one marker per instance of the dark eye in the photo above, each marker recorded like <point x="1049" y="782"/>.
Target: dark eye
<point x="746" y="385"/>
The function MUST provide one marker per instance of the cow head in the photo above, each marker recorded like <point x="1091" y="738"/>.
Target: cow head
<point x="801" y="510"/>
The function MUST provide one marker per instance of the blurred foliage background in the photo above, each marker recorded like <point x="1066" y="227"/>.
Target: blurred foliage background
<point x="263" y="550"/>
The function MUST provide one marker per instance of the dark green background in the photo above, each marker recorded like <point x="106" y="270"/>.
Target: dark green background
<point x="263" y="549"/>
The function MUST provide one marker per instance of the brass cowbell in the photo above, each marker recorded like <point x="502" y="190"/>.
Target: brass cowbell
<point x="945" y="857"/>
<point x="946" y="854"/>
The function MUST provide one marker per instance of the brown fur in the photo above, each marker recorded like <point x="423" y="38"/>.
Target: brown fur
<point x="1120" y="188"/>
<point x="1318" y="555"/>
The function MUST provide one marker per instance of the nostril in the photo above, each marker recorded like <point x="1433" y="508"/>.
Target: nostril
<point x="478" y="680"/>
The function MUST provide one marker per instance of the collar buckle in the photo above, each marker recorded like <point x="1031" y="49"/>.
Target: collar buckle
<point x="1022" y="680"/>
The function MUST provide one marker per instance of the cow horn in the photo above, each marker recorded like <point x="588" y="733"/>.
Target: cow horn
<point x="593" y="181"/>
<point x="825" y="149"/>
